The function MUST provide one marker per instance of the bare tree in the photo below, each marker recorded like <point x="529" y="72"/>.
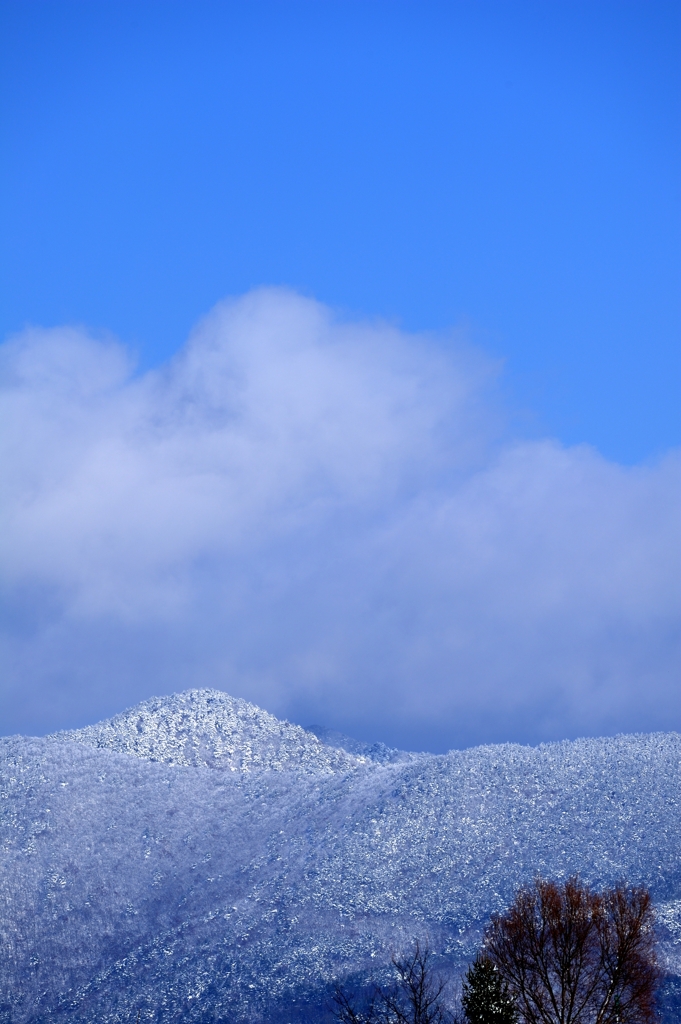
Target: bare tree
<point x="573" y="956"/>
<point x="416" y="998"/>
<point x="348" y="1010"/>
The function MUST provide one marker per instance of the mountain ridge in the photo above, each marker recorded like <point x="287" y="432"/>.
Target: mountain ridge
<point x="210" y="728"/>
<point x="218" y="860"/>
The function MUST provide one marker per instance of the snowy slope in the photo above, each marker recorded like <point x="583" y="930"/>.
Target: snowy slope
<point x="194" y="857"/>
<point x="210" y="728"/>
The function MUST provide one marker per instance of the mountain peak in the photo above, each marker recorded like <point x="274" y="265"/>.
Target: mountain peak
<point x="210" y="728"/>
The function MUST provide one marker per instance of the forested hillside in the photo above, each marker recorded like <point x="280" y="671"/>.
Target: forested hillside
<point x="196" y="858"/>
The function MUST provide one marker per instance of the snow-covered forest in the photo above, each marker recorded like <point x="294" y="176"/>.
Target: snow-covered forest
<point x="196" y="859"/>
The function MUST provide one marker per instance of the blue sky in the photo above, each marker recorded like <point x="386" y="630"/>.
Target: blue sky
<point x="469" y="213"/>
<point x="513" y="166"/>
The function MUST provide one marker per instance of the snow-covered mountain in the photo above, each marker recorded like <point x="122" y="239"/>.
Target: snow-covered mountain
<point x="211" y="729"/>
<point x="195" y="859"/>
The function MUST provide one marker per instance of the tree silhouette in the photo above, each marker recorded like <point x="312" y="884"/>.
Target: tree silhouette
<point x="417" y="997"/>
<point x="485" y="998"/>
<point x="573" y="956"/>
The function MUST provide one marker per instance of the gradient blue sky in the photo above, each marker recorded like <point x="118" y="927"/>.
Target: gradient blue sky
<point x="420" y="478"/>
<point x="513" y="165"/>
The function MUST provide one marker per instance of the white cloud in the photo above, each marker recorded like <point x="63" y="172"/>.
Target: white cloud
<point x="320" y="516"/>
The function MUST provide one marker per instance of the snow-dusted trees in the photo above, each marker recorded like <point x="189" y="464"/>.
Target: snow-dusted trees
<point x="570" y="955"/>
<point x="561" y="954"/>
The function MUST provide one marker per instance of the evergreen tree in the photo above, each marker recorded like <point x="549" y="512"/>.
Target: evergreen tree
<point x="485" y="998"/>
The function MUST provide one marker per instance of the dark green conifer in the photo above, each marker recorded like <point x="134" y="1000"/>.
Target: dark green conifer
<point x="486" y="999"/>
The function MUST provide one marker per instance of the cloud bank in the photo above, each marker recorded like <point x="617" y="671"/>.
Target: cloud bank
<point x="325" y="518"/>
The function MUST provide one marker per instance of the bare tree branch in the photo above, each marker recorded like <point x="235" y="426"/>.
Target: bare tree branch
<point x="573" y="956"/>
<point x="416" y="998"/>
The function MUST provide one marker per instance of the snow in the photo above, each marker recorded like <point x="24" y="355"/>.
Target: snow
<point x="195" y="857"/>
<point x="210" y="728"/>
